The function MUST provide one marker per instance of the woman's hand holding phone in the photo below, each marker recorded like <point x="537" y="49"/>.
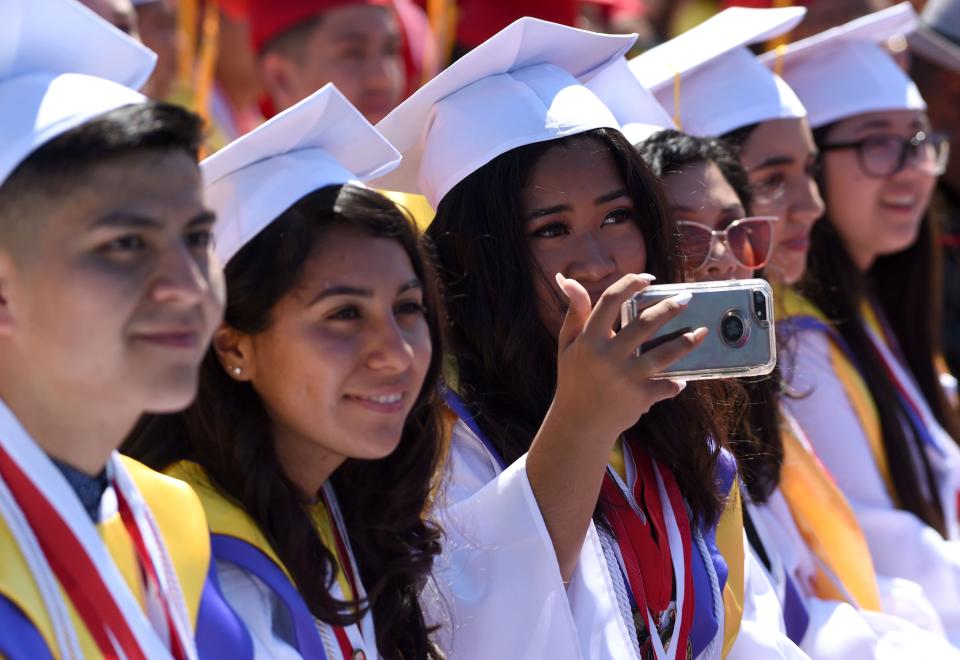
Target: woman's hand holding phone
<point x="602" y="390"/>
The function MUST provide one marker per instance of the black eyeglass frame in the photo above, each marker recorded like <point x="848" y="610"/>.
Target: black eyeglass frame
<point x="937" y="140"/>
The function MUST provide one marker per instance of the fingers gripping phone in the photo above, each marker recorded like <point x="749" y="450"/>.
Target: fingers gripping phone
<point x="738" y="315"/>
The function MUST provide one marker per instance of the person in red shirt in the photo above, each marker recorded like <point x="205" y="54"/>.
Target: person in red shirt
<point x="478" y="20"/>
<point x="356" y="44"/>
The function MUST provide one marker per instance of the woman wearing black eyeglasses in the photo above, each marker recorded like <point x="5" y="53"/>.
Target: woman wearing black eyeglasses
<point x="867" y="336"/>
<point x="798" y="524"/>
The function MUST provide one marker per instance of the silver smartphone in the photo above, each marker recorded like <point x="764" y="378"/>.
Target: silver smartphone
<point x="738" y="315"/>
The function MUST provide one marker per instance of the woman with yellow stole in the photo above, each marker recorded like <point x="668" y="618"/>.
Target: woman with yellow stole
<point x="822" y="586"/>
<point x="315" y="436"/>
<point x="722" y="90"/>
<point x="597" y="487"/>
<point x="864" y="376"/>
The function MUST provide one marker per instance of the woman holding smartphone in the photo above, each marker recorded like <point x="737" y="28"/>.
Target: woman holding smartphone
<point x="866" y="335"/>
<point x="315" y="435"/>
<point x="796" y="519"/>
<point x="544" y="217"/>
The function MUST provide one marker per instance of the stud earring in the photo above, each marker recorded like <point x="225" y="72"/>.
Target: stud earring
<point x="237" y="371"/>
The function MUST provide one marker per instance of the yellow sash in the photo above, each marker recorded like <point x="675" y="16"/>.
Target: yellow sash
<point x="858" y="394"/>
<point x="828" y="526"/>
<point x="730" y="545"/>
<point x="227" y="518"/>
<point x="180" y="520"/>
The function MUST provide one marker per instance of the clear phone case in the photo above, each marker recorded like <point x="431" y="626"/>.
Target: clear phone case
<point x="738" y="315"/>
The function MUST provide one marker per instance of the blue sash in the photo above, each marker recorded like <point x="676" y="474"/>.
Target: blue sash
<point x="252" y="560"/>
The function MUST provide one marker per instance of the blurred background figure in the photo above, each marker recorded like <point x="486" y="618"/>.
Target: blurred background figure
<point x="935" y="67"/>
<point x="159" y="31"/>
<point x="821" y="14"/>
<point x="237" y="88"/>
<point x="119" y="13"/>
<point x="303" y="44"/>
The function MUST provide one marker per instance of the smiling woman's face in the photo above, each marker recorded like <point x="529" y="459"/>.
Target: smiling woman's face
<point x="876" y="215"/>
<point x="346" y="353"/>
<point x="780" y="158"/>
<point x="581" y="222"/>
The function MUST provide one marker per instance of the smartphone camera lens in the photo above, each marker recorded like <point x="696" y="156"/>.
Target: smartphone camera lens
<point x="733" y="329"/>
<point x="760" y="305"/>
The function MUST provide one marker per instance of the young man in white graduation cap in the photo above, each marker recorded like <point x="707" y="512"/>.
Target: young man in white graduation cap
<point x="107" y="301"/>
<point x="533" y="82"/>
<point x="889" y="448"/>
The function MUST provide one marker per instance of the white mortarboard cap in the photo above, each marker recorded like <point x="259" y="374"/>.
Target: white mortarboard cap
<point x="60" y="66"/>
<point x="321" y="141"/>
<point x="845" y="71"/>
<point x="523" y="85"/>
<point x="711" y="83"/>
<point x="637" y="111"/>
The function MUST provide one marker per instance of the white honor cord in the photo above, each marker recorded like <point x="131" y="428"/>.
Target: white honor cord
<point x="357" y="634"/>
<point x="946" y="456"/>
<point x="166" y="574"/>
<point x="38" y="467"/>
<point x="679" y="573"/>
<point x="42" y="572"/>
<point x="719" y="614"/>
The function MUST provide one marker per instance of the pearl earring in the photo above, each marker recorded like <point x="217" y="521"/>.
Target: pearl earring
<point x="237" y="371"/>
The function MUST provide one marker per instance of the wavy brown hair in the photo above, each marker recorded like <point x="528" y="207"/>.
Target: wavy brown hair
<point x="755" y="437"/>
<point x="908" y="288"/>
<point x="227" y="432"/>
<point x="506" y="358"/>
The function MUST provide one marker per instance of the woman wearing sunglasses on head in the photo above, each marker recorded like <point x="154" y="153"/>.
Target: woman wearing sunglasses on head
<point x="865" y="368"/>
<point x="707" y="191"/>
<point x="597" y="486"/>
<point x="314" y="437"/>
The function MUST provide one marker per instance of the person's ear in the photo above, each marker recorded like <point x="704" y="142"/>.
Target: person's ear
<point x="235" y="351"/>
<point x="279" y="76"/>
<point x="8" y="280"/>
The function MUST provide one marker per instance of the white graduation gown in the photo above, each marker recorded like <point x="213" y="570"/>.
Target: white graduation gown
<point x="836" y="630"/>
<point x="902" y="546"/>
<point x="498" y="591"/>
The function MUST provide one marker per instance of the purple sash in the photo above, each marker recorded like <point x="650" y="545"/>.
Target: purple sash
<point x="219" y="633"/>
<point x="253" y="560"/>
<point x="19" y="638"/>
<point x="705" y="625"/>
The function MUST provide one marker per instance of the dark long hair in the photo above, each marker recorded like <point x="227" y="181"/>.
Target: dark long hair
<point x="506" y="358"/>
<point x="907" y="287"/>
<point x="227" y="432"/>
<point x="755" y="438"/>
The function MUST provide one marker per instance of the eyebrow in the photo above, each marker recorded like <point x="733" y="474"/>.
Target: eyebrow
<point x="602" y="199"/>
<point x="773" y="161"/>
<point x="204" y="218"/>
<point x="873" y="123"/>
<point x="359" y="292"/>
<point x="123" y="219"/>
<point x="730" y="208"/>
<point x="129" y="220"/>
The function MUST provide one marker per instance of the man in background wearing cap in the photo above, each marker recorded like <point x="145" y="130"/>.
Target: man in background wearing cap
<point x="107" y="301"/>
<point x="935" y="48"/>
<point x="355" y="44"/>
